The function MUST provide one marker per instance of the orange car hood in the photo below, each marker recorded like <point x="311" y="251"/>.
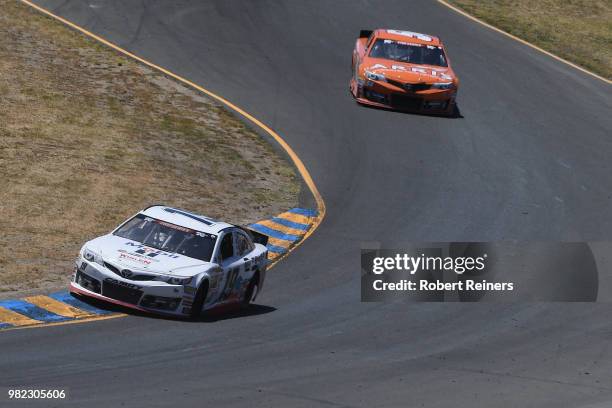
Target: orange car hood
<point x="405" y="72"/>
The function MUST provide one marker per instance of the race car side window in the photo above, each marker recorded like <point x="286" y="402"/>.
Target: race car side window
<point x="227" y="247"/>
<point x="378" y="50"/>
<point x="250" y="245"/>
<point x="243" y="245"/>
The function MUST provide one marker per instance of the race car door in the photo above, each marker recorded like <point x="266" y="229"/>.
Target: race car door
<point x="245" y="248"/>
<point x="233" y="266"/>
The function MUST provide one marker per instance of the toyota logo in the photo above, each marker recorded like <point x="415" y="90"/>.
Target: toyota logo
<point x="126" y="273"/>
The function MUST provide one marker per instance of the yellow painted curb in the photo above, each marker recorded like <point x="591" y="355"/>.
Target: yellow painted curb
<point x="57" y="307"/>
<point x="535" y="47"/>
<point x="279" y="227"/>
<point x="16" y="319"/>
<point x="40" y="324"/>
<point x="280" y="242"/>
<point x="300" y="219"/>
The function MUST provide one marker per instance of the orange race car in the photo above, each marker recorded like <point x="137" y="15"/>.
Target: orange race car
<point x="404" y="71"/>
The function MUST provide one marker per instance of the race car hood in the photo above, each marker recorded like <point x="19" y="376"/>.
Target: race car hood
<point x="128" y="254"/>
<point x="408" y="73"/>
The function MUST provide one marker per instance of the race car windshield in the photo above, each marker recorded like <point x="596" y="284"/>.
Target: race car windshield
<point x="410" y="53"/>
<point x="168" y="237"/>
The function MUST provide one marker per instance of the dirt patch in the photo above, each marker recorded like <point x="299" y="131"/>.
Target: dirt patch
<point x="89" y="137"/>
<point x="577" y="30"/>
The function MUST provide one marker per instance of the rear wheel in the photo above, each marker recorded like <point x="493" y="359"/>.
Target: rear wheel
<point x="198" y="302"/>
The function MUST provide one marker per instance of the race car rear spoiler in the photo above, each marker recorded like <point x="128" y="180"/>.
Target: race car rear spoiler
<point x="258" y="237"/>
<point x="365" y="33"/>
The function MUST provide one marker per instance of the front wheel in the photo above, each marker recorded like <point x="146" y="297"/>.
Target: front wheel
<point x="198" y="302"/>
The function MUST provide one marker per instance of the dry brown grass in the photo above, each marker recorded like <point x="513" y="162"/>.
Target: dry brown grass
<point x="577" y="30"/>
<point x="88" y="137"/>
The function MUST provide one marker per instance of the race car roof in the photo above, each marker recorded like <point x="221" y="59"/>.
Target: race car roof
<point x="185" y="218"/>
<point x="407" y="36"/>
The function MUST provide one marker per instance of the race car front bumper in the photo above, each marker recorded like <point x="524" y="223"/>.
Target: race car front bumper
<point x="93" y="280"/>
<point x="428" y="102"/>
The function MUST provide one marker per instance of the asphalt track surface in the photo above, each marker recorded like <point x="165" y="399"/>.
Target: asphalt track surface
<point x="529" y="160"/>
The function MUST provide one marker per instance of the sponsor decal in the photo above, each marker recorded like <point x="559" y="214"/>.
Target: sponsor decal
<point x="441" y="73"/>
<point x="262" y="259"/>
<point x="422" y="37"/>
<point x="149" y="252"/>
<point x="176" y="227"/>
<point x="124" y="284"/>
<point x="135" y="257"/>
<point x="429" y="47"/>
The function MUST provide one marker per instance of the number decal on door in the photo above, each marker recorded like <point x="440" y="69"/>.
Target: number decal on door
<point x="232" y="274"/>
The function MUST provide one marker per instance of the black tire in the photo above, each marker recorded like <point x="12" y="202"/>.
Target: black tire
<point x="248" y="295"/>
<point x="454" y="113"/>
<point x="198" y="302"/>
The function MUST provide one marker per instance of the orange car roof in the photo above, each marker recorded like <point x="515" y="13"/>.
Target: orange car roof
<point x="407" y="36"/>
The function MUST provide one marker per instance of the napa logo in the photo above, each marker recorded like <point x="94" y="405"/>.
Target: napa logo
<point x="150" y="252"/>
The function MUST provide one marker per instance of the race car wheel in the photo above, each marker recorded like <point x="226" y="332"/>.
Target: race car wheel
<point x="198" y="302"/>
<point x="251" y="289"/>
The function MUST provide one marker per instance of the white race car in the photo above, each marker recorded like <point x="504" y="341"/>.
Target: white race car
<point x="170" y="261"/>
